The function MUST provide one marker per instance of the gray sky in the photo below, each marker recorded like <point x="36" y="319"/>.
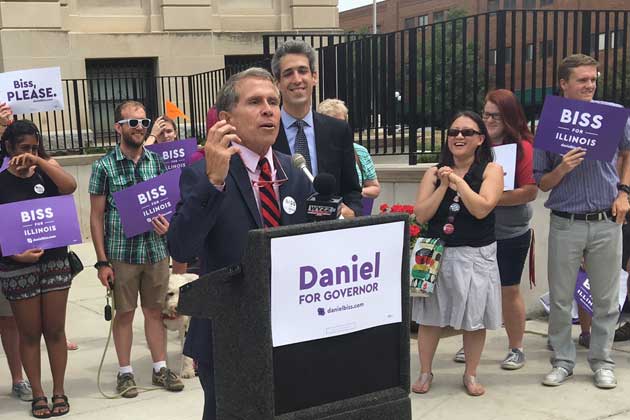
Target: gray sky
<point x="351" y="4"/>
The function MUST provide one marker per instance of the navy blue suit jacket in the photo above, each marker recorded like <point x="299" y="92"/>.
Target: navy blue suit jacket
<point x="213" y="225"/>
<point x="335" y="155"/>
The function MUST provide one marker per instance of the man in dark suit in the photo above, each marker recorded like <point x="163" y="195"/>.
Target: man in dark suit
<point x="240" y="185"/>
<point x="325" y="142"/>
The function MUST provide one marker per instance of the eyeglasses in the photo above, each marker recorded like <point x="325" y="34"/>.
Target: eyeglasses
<point x="133" y="122"/>
<point x="453" y="209"/>
<point x="494" y="115"/>
<point x="281" y="177"/>
<point x="466" y="132"/>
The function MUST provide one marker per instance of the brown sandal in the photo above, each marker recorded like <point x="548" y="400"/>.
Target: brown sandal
<point x="59" y="404"/>
<point x="473" y="388"/>
<point x="44" y="410"/>
<point x="423" y="381"/>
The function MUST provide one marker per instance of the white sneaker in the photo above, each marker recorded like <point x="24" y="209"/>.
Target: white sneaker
<point x="605" y="379"/>
<point x="557" y="376"/>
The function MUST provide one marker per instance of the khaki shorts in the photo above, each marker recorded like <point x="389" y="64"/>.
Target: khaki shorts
<point x="150" y="280"/>
<point x="5" y="307"/>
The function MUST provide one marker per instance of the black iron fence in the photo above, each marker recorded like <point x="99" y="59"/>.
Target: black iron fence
<point x="402" y="87"/>
<point x="86" y="123"/>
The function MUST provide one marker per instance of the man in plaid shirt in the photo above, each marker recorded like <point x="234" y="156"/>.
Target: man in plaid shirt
<point x="137" y="265"/>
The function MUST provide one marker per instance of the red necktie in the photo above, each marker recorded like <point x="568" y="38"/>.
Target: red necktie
<point x="269" y="208"/>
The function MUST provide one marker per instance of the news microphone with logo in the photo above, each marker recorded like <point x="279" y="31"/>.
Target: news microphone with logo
<point x="300" y="163"/>
<point x="323" y="205"/>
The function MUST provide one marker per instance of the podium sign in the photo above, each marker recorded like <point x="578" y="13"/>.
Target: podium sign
<point x="341" y="281"/>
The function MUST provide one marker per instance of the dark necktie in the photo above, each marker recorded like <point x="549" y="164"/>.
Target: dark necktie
<point x="269" y="209"/>
<point x="301" y="144"/>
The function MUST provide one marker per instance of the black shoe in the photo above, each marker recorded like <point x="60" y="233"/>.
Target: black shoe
<point x="623" y="333"/>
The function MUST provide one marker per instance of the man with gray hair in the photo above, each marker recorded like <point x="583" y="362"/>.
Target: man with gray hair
<point x="240" y="185"/>
<point x="325" y="142"/>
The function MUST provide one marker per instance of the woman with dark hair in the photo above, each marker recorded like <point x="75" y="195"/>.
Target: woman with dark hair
<point x="36" y="282"/>
<point x="457" y="198"/>
<point x="506" y="123"/>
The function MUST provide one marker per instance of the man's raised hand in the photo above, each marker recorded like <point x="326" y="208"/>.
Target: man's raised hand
<point x="219" y="149"/>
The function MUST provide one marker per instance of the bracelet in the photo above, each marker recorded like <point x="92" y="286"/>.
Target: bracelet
<point x="100" y="264"/>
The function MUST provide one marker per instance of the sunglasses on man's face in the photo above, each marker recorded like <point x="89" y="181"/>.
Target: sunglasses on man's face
<point x="133" y="122"/>
<point x="466" y="132"/>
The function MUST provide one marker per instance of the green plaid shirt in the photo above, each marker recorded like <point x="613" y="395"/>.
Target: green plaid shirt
<point x="115" y="172"/>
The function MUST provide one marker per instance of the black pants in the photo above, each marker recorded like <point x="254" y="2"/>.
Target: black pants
<point x="206" y="377"/>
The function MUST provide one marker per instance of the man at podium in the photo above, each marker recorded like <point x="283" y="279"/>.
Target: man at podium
<point x="240" y="185"/>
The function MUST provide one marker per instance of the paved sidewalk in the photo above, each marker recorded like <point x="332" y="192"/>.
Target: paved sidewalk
<point x="510" y="395"/>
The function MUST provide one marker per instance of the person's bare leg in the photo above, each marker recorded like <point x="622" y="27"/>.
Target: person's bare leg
<point x="473" y="346"/>
<point x="11" y="345"/>
<point x="513" y="315"/>
<point x="122" y="331"/>
<point x="428" y="339"/>
<point x="28" y="317"/>
<point x="154" y="332"/>
<point x="585" y="320"/>
<point x="53" y="326"/>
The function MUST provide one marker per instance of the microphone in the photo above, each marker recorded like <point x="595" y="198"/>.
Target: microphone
<point x="323" y="205"/>
<point x="300" y="163"/>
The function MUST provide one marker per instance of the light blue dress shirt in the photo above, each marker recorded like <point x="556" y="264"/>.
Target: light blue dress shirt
<point x="291" y="131"/>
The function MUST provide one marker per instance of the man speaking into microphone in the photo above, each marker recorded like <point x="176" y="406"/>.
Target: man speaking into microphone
<point x="240" y="185"/>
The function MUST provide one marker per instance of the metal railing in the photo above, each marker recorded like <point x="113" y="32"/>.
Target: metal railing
<point x="403" y="87"/>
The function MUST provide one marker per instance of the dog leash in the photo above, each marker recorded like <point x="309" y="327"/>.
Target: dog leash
<point x="110" y="312"/>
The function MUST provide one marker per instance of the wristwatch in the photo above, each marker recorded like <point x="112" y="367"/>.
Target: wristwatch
<point x="623" y="187"/>
<point x="100" y="264"/>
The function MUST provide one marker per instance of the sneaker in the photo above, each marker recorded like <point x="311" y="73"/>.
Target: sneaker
<point x="168" y="379"/>
<point x="125" y="381"/>
<point x="23" y="391"/>
<point x="557" y="376"/>
<point x="515" y="359"/>
<point x="584" y="340"/>
<point x="460" y="356"/>
<point x="605" y="379"/>
<point x="623" y="333"/>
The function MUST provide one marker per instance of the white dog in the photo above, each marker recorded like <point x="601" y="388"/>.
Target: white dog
<point x="175" y="322"/>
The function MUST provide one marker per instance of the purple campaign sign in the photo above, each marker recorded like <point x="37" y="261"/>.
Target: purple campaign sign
<point x="142" y="202"/>
<point x="582" y="292"/>
<point x="5" y="164"/>
<point x="42" y="223"/>
<point x="567" y="123"/>
<point x="176" y="154"/>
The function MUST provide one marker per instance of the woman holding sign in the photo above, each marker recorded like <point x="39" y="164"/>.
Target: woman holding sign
<point x="36" y="282"/>
<point x="506" y="123"/>
<point x="457" y="199"/>
<point x="164" y="131"/>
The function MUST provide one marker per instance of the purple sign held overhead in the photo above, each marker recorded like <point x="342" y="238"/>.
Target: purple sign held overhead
<point x="176" y="154"/>
<point x="566" y="124"/>
<point x="141" y="203"/>
<point x="42" y="223"/>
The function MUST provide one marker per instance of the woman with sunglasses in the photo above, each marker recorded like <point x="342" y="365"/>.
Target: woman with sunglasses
<point x="36" y="282"/>
<point x="457" y="199"/>
<point x="506" y="123"/>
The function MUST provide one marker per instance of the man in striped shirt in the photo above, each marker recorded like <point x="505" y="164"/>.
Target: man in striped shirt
<point x="588" y="203"/>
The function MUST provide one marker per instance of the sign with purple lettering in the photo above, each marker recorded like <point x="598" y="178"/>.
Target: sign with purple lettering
<point x="142" y="202"/>
<point x="176" y="154"/>
<point x="42" y="223"/>
<point x="5" y="164"/>
<point x="34" y="90"/>
<point x="320" y="291"/>
<point x="567" y="123"/>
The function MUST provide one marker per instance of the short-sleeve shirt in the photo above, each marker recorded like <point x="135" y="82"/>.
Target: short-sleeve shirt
<point x="39" y="185"/>
<point x="115" y="172"/>
<point x="590" y="187"/>
<point x="513" y="221"/>
<point x="366" y="170"/>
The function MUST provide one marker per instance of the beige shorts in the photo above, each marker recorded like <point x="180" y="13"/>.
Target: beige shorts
<point x="150" y="280"/>
<point x="5" y="307"/>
